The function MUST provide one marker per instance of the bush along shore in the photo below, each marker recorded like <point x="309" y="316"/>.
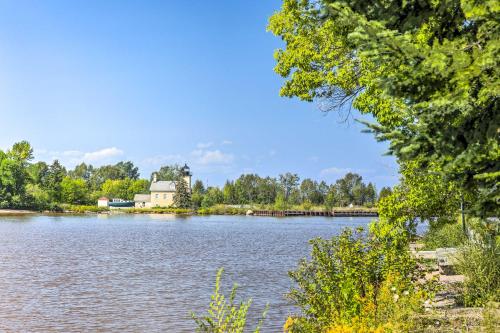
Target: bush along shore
<point x="214" y="210"/>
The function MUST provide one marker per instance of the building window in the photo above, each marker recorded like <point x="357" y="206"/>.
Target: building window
<point x="156" y="195"/>
<point x="164" y="196"/>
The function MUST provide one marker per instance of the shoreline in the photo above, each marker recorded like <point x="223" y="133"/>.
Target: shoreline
<point x="13" y="212"/>
<point x="77" y="210"/>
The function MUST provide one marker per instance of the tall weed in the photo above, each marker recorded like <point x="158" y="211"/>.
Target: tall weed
<point x="446" y="235"/>
<point x="480" y="264"/>
<point x="224" y="315"/>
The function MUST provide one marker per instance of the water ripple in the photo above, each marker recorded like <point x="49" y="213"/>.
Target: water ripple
<point x="145" y="274"/>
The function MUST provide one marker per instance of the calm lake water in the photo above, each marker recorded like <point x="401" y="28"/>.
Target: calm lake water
<point x="146" y="273"/>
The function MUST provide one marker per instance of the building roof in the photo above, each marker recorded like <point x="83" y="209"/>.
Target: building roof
<point x="103" y="198"/>
<point x="162" y="186"/>
<point x="142" y="197"/>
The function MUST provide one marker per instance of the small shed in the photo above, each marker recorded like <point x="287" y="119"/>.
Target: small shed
<point x="142" y="200"/>
<point x="102" y="202"/>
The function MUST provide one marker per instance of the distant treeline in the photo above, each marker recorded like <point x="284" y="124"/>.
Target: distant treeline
<point x="39" y="185"/>
<point x="28" y="185"/>
<point x="288" y="190"/>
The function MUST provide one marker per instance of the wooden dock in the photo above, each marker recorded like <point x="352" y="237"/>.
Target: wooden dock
<point x="333" y="213"/>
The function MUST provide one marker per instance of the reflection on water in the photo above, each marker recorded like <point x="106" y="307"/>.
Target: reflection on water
<point x="137" y="273"/>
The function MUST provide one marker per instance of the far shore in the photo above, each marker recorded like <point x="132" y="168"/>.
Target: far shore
<point x="216" y="210"/>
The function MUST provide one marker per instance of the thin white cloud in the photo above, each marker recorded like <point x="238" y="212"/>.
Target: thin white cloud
<point x="202" y="160"/>
<point x="227" y="142"/>
<point x="197" y="152"/>
<point x="212" y="157"/>
<point x="70" y="158"/>
<point x="204" y="145"/>
<point x="334" y="171"/>
<point x="247" y="171"/>
<point x="72" y="153"/>
<point x="102" y="154"/>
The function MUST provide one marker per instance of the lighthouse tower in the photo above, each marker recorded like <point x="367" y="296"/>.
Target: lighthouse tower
<point x="186" y="175"/>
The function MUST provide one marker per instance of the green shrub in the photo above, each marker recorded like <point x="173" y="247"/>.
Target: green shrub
<point x="81" y="209"/>
<point x="55" y="207"/>
<point x="37" y="198"/>
<point x="447" y="235"/>
<point x="307" y="205"/>
<point x="224" y="315"/>
<point x="280" y="203"/>
<point x="491" y="317"/>
<point x="480" y="264"/>
<point x="221" y="210"/>
<point x="355" y="282"/>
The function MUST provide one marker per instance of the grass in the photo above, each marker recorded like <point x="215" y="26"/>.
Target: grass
<point x="83" y="209"/>
<point x="480" y="265"/>
<point x="222" y="210"/>
<point x="158" y="210"/>
<point x="448" y="235"/>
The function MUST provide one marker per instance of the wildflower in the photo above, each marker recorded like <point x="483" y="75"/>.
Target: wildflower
<point x="288" y="324"/>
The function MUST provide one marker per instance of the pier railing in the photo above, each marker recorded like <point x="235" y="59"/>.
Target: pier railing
<point x="332" y="213"/>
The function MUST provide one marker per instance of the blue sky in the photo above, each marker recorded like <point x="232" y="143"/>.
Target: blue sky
<point x="162" y="82"/>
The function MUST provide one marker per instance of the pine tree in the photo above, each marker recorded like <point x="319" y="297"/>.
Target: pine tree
<point x="370" y="194"/>
<point x="427" y="71"/>
<point x="182" y="196"/>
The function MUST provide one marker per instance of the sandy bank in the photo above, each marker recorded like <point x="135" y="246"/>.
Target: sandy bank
<point x="15" y="212"/>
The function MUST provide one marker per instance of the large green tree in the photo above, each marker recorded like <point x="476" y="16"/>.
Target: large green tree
<point x="124" y="188"/>
<point x="427" y="70"/>
<point x="55" y="176"/>
<point x="74" y="191"/>
<point x="198" y="187"/>
<point x="83" y="171"/>
<point x="384" y="192"/>
<point x="288" y="183"/>
<point x="168" y="173"/>
<point x="267" y="189"/>
<point x="128" y="170"/>
<point x="20" y="155"/>
<point x="230" y="195"/>
<point x="246" y="187"/>
<point x="197" y="193"/>
<point x="370" y="195"/>
<point x="38" y="173"/>
<point x="350" y="189"/>
<point x="15" y="175"/>
<point x="310" y="191"/>
<point x="213" y="196"/>
<point x="182" y="195"/>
